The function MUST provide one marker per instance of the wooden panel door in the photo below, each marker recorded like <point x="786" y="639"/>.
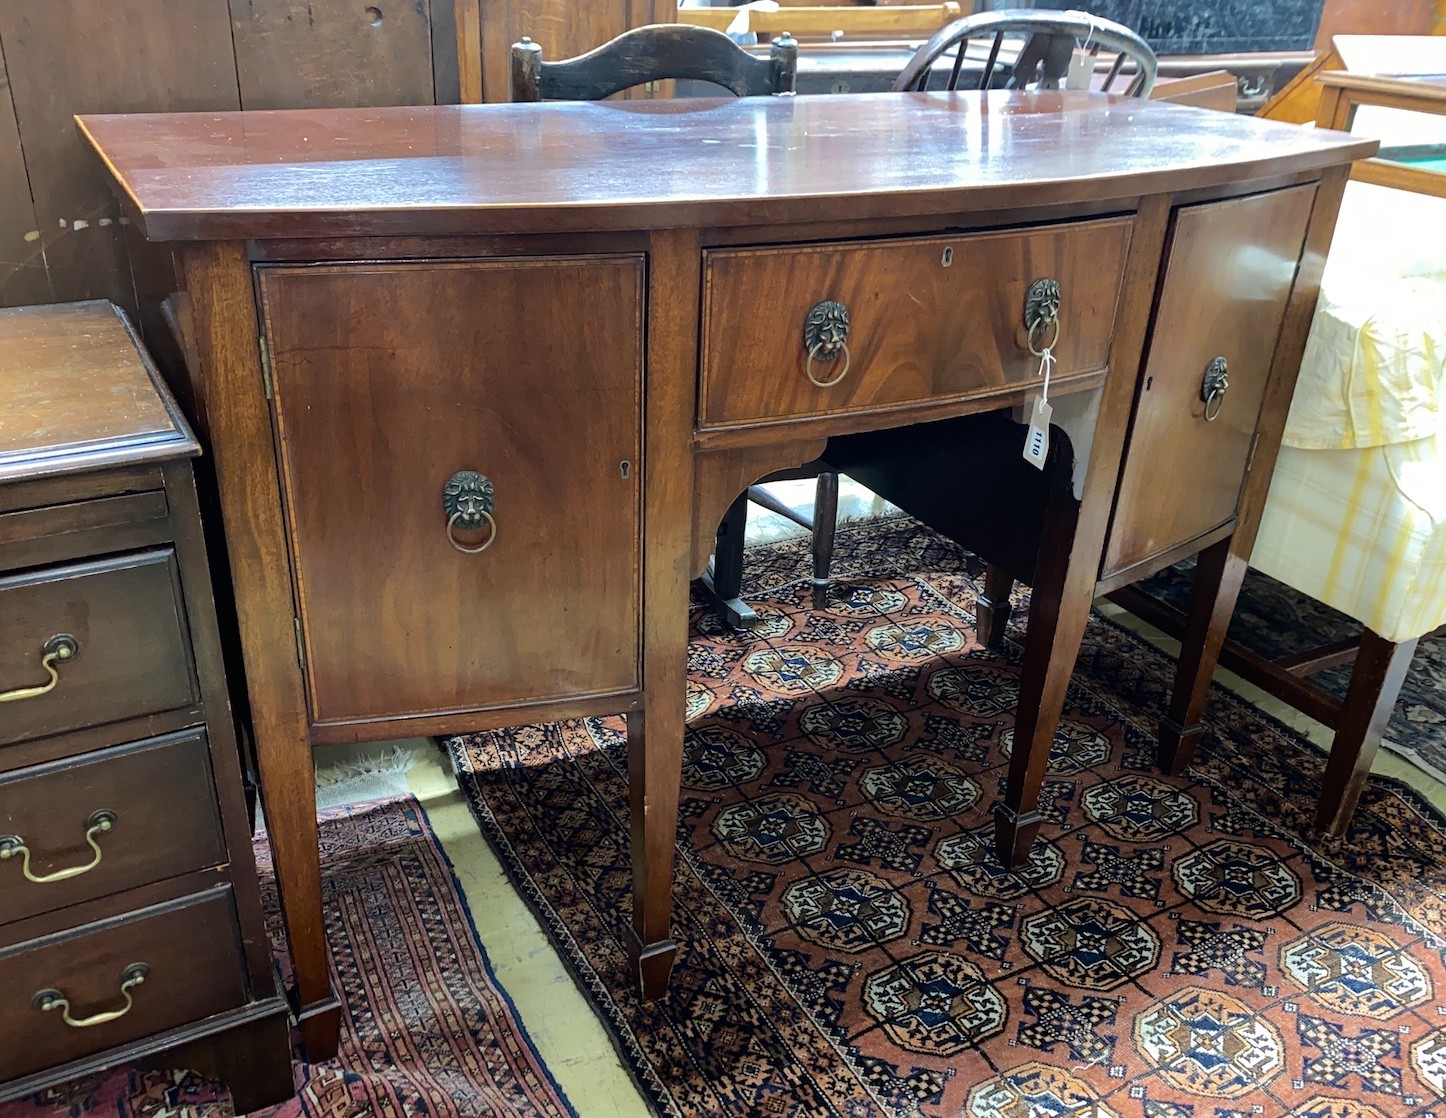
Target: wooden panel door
<point x="303" y="54"/>
<point x="563" y="28"/>
<point x="389" y="378"/>
<point x="1229" y="271"/>
<point x="64" y="59"/>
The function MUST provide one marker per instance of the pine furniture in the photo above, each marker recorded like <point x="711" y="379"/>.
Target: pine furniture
<point x="481" y="381"/>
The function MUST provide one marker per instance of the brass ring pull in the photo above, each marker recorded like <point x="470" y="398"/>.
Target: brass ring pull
<point x="131" y="977"/>
<point x="1041" y="310"/>
<point x="484" y="545"/>
<point x="808" y="368"/>
<point x="98" y="824"/>
<point x="468" y="500"/>
<point x="825" y="336"/>
<point x="1214" y="387"/>
<point x="57" y="650"/>
<point x="1040" y="350"/>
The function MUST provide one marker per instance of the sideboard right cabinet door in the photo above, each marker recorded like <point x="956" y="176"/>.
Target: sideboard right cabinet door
<point x="502" y="396"/>
<point x="1228" y="275"/>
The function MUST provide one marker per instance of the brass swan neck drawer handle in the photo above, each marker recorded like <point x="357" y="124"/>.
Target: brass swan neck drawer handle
<point x="1214" y="387"/>
<point x="47" y="1001"/>
<point x="57" y="650"/>
<point x="98" y="824"/>
<point x="468" y="501"/>
<point x="825" y="336"/>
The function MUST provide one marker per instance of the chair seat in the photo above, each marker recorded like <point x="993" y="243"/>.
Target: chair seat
<point x="1363" y="531"/>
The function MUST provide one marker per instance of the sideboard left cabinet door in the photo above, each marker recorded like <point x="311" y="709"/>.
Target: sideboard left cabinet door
<point x="459" y="447"/>
<point x="1228" y="276"/>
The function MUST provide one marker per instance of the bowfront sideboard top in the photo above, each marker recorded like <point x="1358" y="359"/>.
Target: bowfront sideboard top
<point x="628" y="165"/>
<point x="479" y="383"/>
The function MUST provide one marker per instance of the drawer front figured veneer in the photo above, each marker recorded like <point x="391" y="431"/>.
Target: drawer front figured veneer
<point x="929" y="319"/>
<point x="390" y="380"/>
<point x="93" y="825"/>
<point x="111" y="632"/>
<point x="1228" y="275"/>
<point x="186" y="954"/>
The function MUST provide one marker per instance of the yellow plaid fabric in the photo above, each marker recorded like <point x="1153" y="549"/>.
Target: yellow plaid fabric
<point x="1374" y="369"/>
<point x="1356" y="516"/>
<point x="1363" y="531"/>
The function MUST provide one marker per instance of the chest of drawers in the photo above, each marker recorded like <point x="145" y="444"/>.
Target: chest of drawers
<point x="130" y="913"/>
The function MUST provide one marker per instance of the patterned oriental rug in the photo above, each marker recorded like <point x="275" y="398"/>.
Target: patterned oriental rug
<point x="426" y="1030"/>
<point x="1176" y="948"/>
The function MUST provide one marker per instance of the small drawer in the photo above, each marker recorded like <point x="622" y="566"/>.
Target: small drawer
<point x="72" y="995"/>
<point x="92" y="643"/>
<point x="928" y="319"/>
<point x="97" y="824"/>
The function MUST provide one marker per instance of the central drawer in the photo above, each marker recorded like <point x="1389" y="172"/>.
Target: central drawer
<point x="929" y="319"/>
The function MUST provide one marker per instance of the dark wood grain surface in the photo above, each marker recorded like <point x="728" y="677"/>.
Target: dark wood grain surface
<point x="100" y="541"/>
<point x="661" y="164"/>
<point x="195" y="970"/>
<point x="1227" y="277"/>
<point x="392" y="377"/>
<point x="126" y="617"/>
<point x="931" y="318"/>
<point x="78" y="395"/>
<point x="49" y="808"/>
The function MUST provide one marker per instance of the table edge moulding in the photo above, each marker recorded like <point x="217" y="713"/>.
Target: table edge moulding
<point x="349" y="221"/>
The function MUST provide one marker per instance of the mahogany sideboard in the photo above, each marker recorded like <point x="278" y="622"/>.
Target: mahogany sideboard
<point x="131" y="927"/>
<point x="480" y="382"/>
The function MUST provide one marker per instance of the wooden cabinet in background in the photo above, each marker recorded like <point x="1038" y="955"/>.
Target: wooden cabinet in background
<point x="130" y="912"/>
<point x="486" y="30"/>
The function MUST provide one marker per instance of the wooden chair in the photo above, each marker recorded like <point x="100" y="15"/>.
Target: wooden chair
<point x="673" y="51"/>
<point x="659" y="52"/>
<point x="1359" y="527"/>
<point x="1049" y="40"/>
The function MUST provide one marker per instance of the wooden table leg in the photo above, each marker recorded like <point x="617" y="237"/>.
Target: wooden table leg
<point x="1218" y="575"/>
<point x="288" y="798"/>
<point x="991" y="607"/>
<point x="1376" y="680"/>
<point x="1059" y="608"/>
<point x="655" y="733"/>
<point x="825" y="526"/>
<point x="655" y="762"/>
<point x="218" y="277"/>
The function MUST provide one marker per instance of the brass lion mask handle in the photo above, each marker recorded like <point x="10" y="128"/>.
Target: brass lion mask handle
<point x="825" y="336"/>
<point x="59" y="649"/>
<point x="468" y="501"/>
<point x="1214" y="386"/>
<point x="1041" y="315"/>
<point x="49" y="1000"/>
<point x="98" y="824"/>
